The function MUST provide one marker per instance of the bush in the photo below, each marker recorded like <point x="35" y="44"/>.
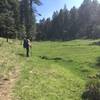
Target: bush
<point x="92" y="91"/>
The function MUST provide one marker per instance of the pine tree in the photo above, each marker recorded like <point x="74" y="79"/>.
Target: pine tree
<point x="73" y="23"/>
<point x="27" y="15"/>
<point x="8" y="24"/>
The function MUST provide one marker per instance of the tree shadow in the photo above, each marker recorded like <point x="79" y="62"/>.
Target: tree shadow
<point x="97" y="62"/>
<point x="48" y="58"/>
<point x="56" y="59"/>
<point x="96" y="43"/>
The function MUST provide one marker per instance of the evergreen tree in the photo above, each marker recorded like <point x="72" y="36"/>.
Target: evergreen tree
<point x="8" y="18"/>
<point x="73" y="23"/>
<point x="27" y="15"/>
<point x="84" y="18"/>
<point x="83" y="22"/>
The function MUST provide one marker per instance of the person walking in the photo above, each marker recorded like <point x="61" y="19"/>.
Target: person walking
<point x="27" y="45"/>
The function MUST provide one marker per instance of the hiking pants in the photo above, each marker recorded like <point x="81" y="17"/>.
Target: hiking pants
<point x="27" y="52"/>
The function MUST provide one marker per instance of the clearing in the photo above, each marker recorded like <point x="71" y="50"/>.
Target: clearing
<point x="54" y="71"/>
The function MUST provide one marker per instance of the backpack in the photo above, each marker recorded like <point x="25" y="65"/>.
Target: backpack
<point x="25" y="43"/>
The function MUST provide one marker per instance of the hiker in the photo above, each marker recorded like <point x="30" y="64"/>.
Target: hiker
<point x="27" y="45"/>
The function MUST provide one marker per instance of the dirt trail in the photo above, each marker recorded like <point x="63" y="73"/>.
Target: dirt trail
<point x="7" y="83"/>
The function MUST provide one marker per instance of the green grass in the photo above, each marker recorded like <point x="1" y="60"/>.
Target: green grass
<point x="8" y="57"/>
<point x="50" y="79"/>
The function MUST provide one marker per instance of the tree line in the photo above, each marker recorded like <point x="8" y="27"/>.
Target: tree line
<point x="82" y="22"/>
<point x="17" y="18"/>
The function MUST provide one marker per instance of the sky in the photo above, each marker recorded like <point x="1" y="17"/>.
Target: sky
<point x="49" y="6"/>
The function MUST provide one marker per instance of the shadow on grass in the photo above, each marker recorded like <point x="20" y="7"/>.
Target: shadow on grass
<point x="21" y="54"/>
<point x="48" y="58"/>
<point x="96" y="43"/>
<point x="98" y="62"/>
<point x="56" y="59"/>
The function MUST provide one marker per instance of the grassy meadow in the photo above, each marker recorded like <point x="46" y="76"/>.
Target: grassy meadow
<point x="54" y="70"/>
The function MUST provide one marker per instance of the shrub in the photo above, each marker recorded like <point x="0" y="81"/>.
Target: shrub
<point x="92" y="91"/>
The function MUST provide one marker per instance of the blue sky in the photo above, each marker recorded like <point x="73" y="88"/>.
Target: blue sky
<point x="49" y="6"/>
